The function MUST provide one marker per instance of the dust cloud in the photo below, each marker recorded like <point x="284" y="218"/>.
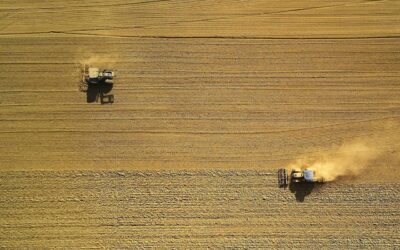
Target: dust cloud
<point x="99" y="60"/>
<point x="354" y="158"/>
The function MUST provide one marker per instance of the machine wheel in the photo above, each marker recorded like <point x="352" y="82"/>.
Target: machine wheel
<point x="106" y="99"/>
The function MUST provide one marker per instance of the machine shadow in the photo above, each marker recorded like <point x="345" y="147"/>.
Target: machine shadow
<point x="302" y="189"/>
<point x="99" y="90"/>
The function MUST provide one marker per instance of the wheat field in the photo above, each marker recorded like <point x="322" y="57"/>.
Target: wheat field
<point x="211" y="98"/>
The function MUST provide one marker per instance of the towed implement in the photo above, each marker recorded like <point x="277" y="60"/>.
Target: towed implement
<point x="282" y="177"/>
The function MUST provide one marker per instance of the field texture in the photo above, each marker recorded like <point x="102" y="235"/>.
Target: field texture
<point x="216" y="95"/>
<point x="191" y="92"/>
<point x="189" y="210"/>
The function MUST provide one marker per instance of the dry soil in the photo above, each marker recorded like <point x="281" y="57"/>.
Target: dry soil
<point x="214" y="94"/>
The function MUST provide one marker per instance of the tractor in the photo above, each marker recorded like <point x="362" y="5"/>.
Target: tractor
<point x="97" y="82"/>
<point x="296" y="176"/>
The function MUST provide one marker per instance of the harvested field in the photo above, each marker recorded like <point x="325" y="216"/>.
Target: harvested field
<point x="211" y="97"/>
<point x="193" y="103"/>
<point x="188" y="209"/>
<point x="198" y="86"/>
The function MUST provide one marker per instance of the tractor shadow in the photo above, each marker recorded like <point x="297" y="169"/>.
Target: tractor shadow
<point x="100" y="91"/>
<point x="303" y="189"/>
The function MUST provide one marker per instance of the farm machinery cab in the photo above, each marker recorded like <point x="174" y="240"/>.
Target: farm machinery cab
<point x="296" y="176"/>
<point x="97" y="76"/>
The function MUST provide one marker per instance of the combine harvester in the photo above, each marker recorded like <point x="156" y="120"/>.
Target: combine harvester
<point x="97" y="78"/>
<point x="296" y="176"/>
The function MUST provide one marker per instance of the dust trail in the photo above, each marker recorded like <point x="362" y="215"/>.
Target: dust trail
<point x="376" y="157"/>
<point x="348" y="160"/>
<point x="102" y="61"/>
